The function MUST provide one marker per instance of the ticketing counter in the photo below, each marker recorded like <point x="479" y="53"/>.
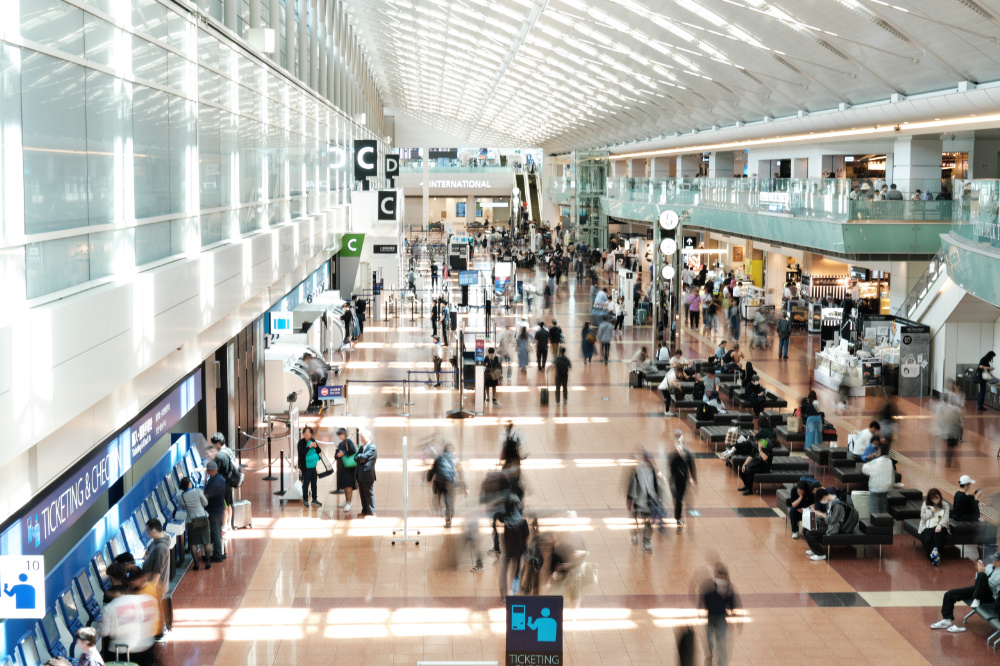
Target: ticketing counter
<point x="98" y="510"/>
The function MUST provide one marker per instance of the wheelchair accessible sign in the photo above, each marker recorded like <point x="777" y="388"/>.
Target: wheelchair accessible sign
<point x="534" y="631"/>
<point x="22" y="587"/>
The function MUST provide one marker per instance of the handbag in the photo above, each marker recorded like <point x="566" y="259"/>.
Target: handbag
<point x="323" y="467"/>
<point x="199" y="523"/>
<point x="794" y="423"/>
<point x="495" y="375"/>
<point x="348" y="460"/>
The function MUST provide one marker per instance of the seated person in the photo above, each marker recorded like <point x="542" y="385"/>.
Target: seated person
<point x="758" y="464"/>
<point x="706" y="412"/>
<point x="841" y="518"/>
<point x="712" y="400"/>
<point x="677" y="360"/>
<point x="802" y="498"/>
<point x="966" y="505"/>
<point x="733" y="360"/>
<point x="688" y="373"/>
<point x="720" y="353"/>
<point x="745" y="375"/>
<point x="662" y="354"/>
<point x="641" y="362"/>
<point x="858" y="443"/>
<point x="983" y="590"/>
<point x="766" y="431"/>
<point x="711" y="383"/>
<point x="755" y="396"/>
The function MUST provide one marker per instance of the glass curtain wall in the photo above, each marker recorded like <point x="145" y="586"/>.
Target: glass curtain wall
<point x="591" y="176"/>
<point x="123" y="147"/>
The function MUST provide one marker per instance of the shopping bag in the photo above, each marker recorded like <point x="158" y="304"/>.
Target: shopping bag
<point x="323" y="467"/>
<point x="794" y="423"/>
<point x="808" y="519"/>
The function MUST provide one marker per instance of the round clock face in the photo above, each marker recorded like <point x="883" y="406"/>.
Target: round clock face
<point x="668" y="246"/>
<point x="667" y="272"/>
<point x="669" y="220"/>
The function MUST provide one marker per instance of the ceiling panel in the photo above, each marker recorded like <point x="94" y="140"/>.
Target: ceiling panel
<point x="573" y="74"/>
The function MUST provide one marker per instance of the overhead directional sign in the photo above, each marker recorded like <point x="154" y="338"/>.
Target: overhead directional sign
<point x="534" y="630"/>
<point x="365" y="158"/>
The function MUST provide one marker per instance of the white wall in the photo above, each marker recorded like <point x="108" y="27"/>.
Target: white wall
<point x="75" y="370"/>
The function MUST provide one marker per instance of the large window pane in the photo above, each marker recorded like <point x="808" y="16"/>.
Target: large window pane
<point x="183" y="143"/>
<point x="11" y="159"/>
<point x="149" y="62"/>
<point x="152" y="242"/>
<point x="111" y="252"/>
<point x="109" y="133"/>
<point x="150" y="120"/>
<point x="214" y="228"/>
<point x="55" y="144"/>
<point x="57" y="264"/>
<point x="209" y="157"/>
<point x="53" y="23"/>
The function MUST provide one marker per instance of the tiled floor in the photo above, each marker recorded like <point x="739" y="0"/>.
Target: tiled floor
<point x="317" y="586"/>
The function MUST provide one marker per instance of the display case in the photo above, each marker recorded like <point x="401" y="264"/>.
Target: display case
<point x="835" y="367"/>
<point x="751" y="298"/>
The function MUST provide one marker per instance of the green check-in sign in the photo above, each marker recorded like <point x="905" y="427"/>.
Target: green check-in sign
<point x="351" y="245"/>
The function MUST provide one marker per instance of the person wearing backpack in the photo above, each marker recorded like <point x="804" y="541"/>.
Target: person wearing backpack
<point x="562" y="365"/>
<point x="587" y="342"/>
<point x="444" y="476"/>
<point x="223" y="457"/>
<point x="841" y="518"/>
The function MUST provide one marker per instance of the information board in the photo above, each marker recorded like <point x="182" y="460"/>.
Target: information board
<point x="534" y="630"/>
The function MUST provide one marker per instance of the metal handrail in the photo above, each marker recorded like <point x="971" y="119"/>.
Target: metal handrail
<point x="920" y="289"/>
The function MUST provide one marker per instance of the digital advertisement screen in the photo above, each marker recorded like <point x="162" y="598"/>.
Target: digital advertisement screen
<point x="468" y="278"/>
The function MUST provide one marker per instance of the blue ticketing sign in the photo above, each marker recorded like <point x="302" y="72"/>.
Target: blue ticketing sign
<point x="534" y="630"/>
<point x="331" y="392"/>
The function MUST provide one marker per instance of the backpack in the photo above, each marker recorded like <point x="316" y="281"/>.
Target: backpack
<point x="555" y="334"/>
<point x="443" y="469"/>
<point x="813" y="483"/>
<point x="698" y="392"/>
<point x="706" y="412"/>
<point x="562" y="364"/>
<point x="231" y="470"/>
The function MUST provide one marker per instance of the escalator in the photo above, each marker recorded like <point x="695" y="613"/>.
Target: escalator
<point x="533" y="197"/>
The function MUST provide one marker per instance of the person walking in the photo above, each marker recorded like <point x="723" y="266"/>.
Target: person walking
<point x="309" y="452"/>
<point x="445" y="321"/>
<point x="719" y="601"/>
<point x="346" y="467"/>
<point x="523" y="347"/>
<point x="562" y="365"/>
<point x="555" y="338"/>
<point x="587" y="341"/>
<point x="694" y="309"/>
<point x="215" y="494"/>
<point x="784" y="328"/>
<point x="515" y="544"/>
<point x="642" y="497"/>
<point x="985" y="367"/>
<point x="682" y="471"/>
<point x="435" y="316"/>
<point x="438" y="360"/>
<point x="604" y="333"/>
<point x="365" y="476"/>
<point x="199" y="536"/>
<point x="505" y="346"/>
<point x="734" y="320"/>
<point x="541" y="345"/>
<point x="434" y="276"/>
<point x="445" y="476"/>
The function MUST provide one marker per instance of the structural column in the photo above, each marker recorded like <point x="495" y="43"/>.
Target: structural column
<point x="303" y="74"/>
<point x="662" y="167"/>
<point x="320" y="83"/>
<point x="720" y="165"/>
<point x="229" y="13"/>
<point x="274" y="22"/>
<point x="637" y="168"/>
<point x="916" y="164"/>
<point x="289" y="36"/>
<point x="687" y="165"/>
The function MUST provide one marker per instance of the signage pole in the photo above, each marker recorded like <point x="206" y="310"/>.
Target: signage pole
<point x="270" y="426"/>
<point x="406" y="501"/>
<point x="655" y="300"/>
<point x="460" y="412"/>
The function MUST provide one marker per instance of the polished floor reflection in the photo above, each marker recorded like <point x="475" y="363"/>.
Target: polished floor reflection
<point x="318" y="586"/>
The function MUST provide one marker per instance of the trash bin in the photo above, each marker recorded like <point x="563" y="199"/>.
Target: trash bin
<point x="862" y="502"/>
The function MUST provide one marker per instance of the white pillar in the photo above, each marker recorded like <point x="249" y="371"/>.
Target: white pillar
<point x="720" y="165"/>
<point x="303" y="42"/>
<point x="637" y="168"/>
<point x="274" y="23"/>
<point x="229" y="14"/>
<point x="289" y="36"/>
<point x="320" y="83"/>
<point x="800" y="167"/>
<point x="426" y="189"/>
<point x="662" y="167"/>
<point x="687" y="165"/>
<point x="916" y="163"/>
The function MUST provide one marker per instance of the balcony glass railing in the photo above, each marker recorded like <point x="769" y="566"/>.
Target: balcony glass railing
<point x="974" y="213"/>
<point x="833" y="199"/>
<point x="411" y="168"/>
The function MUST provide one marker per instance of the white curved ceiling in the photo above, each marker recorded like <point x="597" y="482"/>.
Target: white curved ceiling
<point x="577" y="74"/>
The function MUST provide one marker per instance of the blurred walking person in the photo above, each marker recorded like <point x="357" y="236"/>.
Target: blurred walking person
<point x="680" y="462"/>
<point x="445" y="476"/>
<point x="515" y="544"/>
<point x="642" y="497"/>
<point x="948" y="424"/>
<point x="719" y="601"/>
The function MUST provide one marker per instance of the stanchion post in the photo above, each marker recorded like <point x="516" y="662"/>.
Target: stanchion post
<point x="347" y="400"/>
<point x="406" y="501"/>
<point x="281" y="490"/>
<point x="402" y="399"/>
<point x="269" y="477"/>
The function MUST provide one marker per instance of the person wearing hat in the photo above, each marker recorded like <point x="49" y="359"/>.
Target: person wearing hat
<point x="984" y="590"/>
<point x="215" y="494"/>
<point x="680" y="462"/>
<point x="966" y="506"/>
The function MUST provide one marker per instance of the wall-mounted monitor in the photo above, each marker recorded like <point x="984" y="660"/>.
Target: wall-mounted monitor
<point x="83" y="584"/>
<point x="29" y="651"/>
<point x="101" y="567"/>
<point x="468" y="278"/>
<point x="69" y="603"/>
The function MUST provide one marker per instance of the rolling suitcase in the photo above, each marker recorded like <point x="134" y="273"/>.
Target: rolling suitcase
<point x="166" y="611"/>
<point x="635" y="379"/>
<point x="545" y="396"/>
<point x="118" y="662"/>
<point x="242" y="514"/>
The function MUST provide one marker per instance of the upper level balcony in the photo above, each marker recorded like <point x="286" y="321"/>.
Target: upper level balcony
<point x="972" y="244"/>
<point x="822" y="215"/>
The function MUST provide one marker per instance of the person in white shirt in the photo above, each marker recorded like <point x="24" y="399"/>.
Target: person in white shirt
<point x="663" y="353"/>
<point x="881" y="476"/>
<point x="737" y="292"/>
<point x="860" y="441"/>
<point x="787" y="293"/>
<point x="669" y="383"/>
<point x="855" y="292"/>
<point x="677" y="361"/>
